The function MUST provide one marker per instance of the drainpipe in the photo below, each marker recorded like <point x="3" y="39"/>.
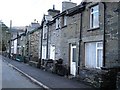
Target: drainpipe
<point x="104" y="36"/>
<point x="80" y="43"/>
<point x="17" y="43"/>
<point x="9" y="49"/>
<point x="47" y="39"/>
<point x="40" y="60"/>
<point x="10" y="39"/>
<point x="29" y="50"/>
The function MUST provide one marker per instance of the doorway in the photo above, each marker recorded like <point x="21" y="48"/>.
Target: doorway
<point x="73" y="59"/>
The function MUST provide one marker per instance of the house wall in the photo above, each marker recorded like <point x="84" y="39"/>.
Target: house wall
<point x="112" y="34"/>
<point x="119" y="32"/>
<point x="0" y="37"/>
<point x="70" y="35"/>
<point x="44" y="41"/>
<point x="27" y="45"/>
<point x="34" y="43"/>
<point x="54" y="40"/>
<point x="45" y="36"/>
<point x="90" y="35"/>
<point x="95" y="76"/>
<point x="63" y="36"/>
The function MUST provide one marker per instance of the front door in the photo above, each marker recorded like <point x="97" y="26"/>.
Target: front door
<point x="73" y="59"/>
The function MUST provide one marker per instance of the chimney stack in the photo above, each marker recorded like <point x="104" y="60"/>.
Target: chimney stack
<point x="68" y="4"/>
<point x="53" y="12"/>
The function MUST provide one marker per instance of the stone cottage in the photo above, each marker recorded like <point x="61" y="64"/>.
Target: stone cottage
<point x="47" y="43"/>
<point x="4" y="38"/>
<point x="86" y="37"/>
<point x="32" y="40"/>
<point x="16" y="39"/>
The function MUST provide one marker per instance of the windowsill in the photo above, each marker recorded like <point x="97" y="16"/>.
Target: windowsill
<point x="45" y="39"/>
<point x="93" y="5"/>
<point x="64" y="26"/>
<point x="96" y="68"/>
<point x="92" y="29"/>
<point x="57" y="28"/>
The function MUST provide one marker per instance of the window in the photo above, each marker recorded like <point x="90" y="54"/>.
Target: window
<point x="43" y="52"/>
<point x="44" y="32"/>
<point x="57" y="23"/>
<point x="52" y="52"/>
<point x="94" y="54"/>
<point x="21" y="38"/>
<point x="12" y="43"/>
<point x="99" y="54"/>
<point x="65" y="20"/>
<point x="94" y="17"/>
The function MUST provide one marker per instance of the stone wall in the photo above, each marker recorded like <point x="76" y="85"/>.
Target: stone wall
<point x="63" y="37"/>
<point x="97" y="77"/>
<point x="92" y="76"/>
<point x="34" y="43"/>
<point x="52" y="39"/>
<point x="90" y="35"/>
<point x="106" y="78"/>
<point x="118" y="80"/>
<point x="119" y="32"/>
<point x="111" y="19"/>
<point x="70" y="35"/>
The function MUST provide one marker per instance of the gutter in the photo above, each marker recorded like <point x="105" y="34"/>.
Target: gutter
<point x="39" y="61"/>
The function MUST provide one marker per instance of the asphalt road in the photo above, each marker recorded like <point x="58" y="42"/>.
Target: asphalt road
<point x="45" y="79"/>
<point x="13" y="79"/>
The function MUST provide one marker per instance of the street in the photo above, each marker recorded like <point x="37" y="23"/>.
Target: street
<point x="13" y="79"/>
<point x="44" y="79"/>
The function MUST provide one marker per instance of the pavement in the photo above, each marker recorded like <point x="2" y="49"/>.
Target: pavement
<point x="46" y="79"/>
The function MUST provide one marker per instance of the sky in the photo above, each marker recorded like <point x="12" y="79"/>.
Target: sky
<point x="23" y="12"/>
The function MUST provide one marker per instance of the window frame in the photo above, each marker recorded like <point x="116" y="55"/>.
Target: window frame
<point x="57" y="23"/>
<point x="64" y="20"/>
<point x="98" y="48"/>
<point x="45" y="32"/>
<point x="94" y="61"/>
<point x="92" y="16"/>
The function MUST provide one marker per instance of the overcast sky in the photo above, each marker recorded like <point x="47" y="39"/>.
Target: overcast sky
<point x="23" y="12"/>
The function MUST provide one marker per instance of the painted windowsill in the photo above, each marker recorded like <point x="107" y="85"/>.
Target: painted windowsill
<point x="64" y="26"/>
<point x="57" y="28"/>
<point x="92" y="29"/>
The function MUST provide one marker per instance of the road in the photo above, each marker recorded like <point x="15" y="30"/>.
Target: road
<point x="13" y="79"/>
<point x="44" y="79"/>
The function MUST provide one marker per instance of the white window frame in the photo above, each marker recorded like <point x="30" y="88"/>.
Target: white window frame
<point x="57" y="23"/>
<point x="44" y="49"/>
<point x="44" y="32"/>
<point x="52" y="52"/>
<point x="94" y="63"/>
<point x="21" y="38"/>
<point x="65" y="21"/>
<point x="92" y="16"/>
<point x="98" y="48"/>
